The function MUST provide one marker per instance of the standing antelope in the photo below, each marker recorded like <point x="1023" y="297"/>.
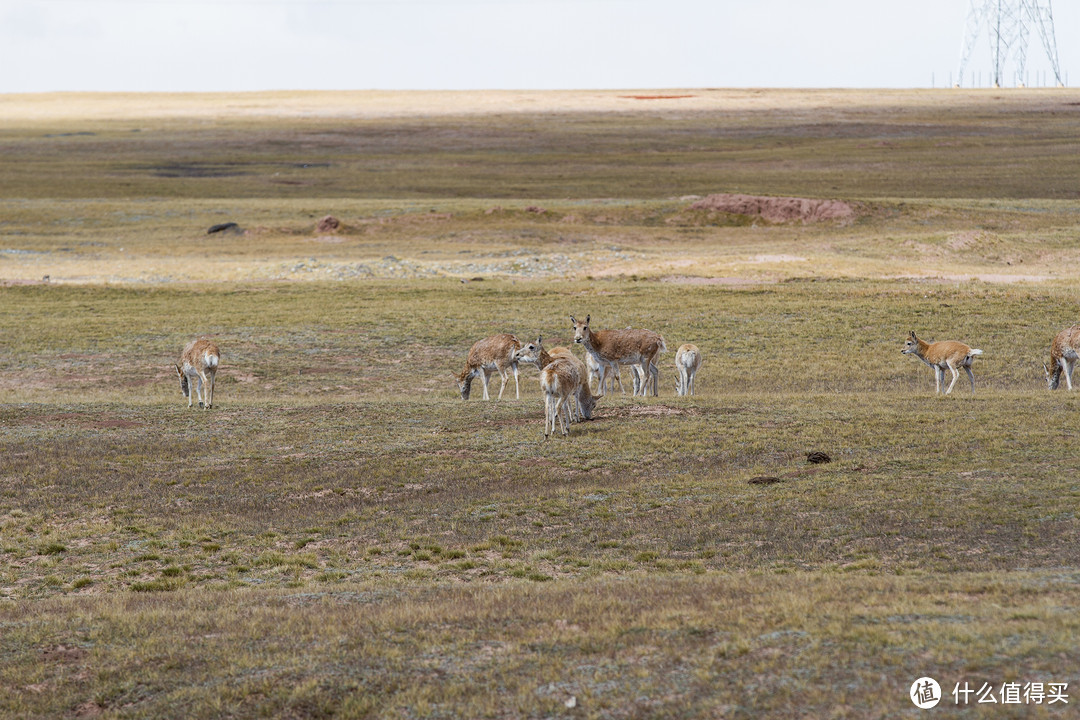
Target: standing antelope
<point x="638" y="348"/>
<point x="603" y="373"/>
<point x="199" y="362"/>
<point x="940" y="355"/>
<point x="535" y="354"/>
<point x="489" y="355"/>
<point x="1063" y="357"/>
<point x="641" y="386"/>
<point x="687" y="362"/>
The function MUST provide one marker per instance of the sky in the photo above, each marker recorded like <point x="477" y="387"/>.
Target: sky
<point x="240" y="45"/>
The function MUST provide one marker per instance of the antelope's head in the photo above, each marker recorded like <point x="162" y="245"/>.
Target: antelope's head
<point x="581" y="329"/>
<point x="911" y="347"/>
<point x="185" y="388"/>
<point x="1053" y="379"/>
<point x="588" y="404"/>
<point x="464" y="384"/>
<point x="530" y="352"/>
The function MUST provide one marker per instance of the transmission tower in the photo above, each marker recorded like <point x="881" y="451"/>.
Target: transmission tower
<point x="1007" y="23"/>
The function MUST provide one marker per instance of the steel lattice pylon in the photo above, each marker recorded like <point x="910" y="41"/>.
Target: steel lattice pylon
<point x="1007" y="22"/>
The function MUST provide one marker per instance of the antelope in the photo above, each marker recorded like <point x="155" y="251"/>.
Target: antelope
<point x="495" y="353"/>
<point x="603" y="373"/>
<point x="1063" y="357"/>
<point x="941" y="355"/>
<point x="637" y="348"/>
<point x="560" y="379"/>
<point x="199" y="362"/>
<point x="535" y="354"/>
<point x="641" y="386"/>
<point x="687" y="362"/>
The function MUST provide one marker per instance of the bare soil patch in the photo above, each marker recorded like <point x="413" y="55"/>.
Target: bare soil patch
<point x="656" y="97"/>
<point x="650" y="410"/>
<point x="729" y="281"/>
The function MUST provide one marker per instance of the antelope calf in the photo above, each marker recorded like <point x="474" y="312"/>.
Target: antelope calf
<point x="941" y="355"/>
<point x="603" y="374"/>
<point x="687" y="362"/>
<point x="199" y="364"/>
<point x="583" y="399"/>
<point x="637" y="348"/>
<point x="1063" y="357"/>
<point x="492" y="354"/>
<point x="641" y="385"/>
<point x="560" y="379"/>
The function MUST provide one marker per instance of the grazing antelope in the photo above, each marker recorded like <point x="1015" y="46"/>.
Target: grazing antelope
<point x="489" y="355"/>
<point x="687" y="362"/>
<point x="1063" y="357"/>
<point x="560" y="379"/>
<point x="941" y="355"/>
<point x="535" y="354"/>
<point x="199" y="363"/>
<point x="637" y="348"/>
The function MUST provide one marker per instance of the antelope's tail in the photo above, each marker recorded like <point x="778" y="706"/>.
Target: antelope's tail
<point x="976" y="351"/>
<point x="211" y="360"/>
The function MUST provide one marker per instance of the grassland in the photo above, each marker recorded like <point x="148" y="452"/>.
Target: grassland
<point x="344" y="537"/>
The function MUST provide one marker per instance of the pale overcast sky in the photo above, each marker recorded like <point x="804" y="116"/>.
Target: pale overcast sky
<point x="231" y="45"/>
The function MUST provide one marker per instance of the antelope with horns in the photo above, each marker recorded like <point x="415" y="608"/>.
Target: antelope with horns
<point x="1063" y="355"/>
<point x="687" y="362"/>
<point x="492" y="354"/>
<point x="199" y="364"/>
<point x="941" y="355"/>
<point x="535" y="354"/>
<point x="638" y="348"/>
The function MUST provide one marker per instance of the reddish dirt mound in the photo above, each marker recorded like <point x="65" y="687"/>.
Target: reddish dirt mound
<point x="656" y="97"/>
<point x="328" y="224"/>
<point x="777" y="209"/>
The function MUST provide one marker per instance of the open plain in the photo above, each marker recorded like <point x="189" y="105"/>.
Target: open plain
<point x="343" y="536"/>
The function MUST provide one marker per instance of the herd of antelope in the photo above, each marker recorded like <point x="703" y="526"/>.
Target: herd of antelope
<point x="567" y="382"/>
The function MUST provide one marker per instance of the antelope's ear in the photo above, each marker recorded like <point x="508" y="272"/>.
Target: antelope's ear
<point x="587" y="319"/>
<point x="179" y="371"/>
<point x="912" y="335"/>
<point x="573" y="320"/>
<point x="539" y="340"/>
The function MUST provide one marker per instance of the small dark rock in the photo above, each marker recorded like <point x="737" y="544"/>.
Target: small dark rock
<point x="224" y="227"/>
<point x="817" y="457"/>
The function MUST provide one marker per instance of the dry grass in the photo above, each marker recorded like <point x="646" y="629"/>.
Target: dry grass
<point x="845" y="646"/>
<point x="342" y="536"/>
